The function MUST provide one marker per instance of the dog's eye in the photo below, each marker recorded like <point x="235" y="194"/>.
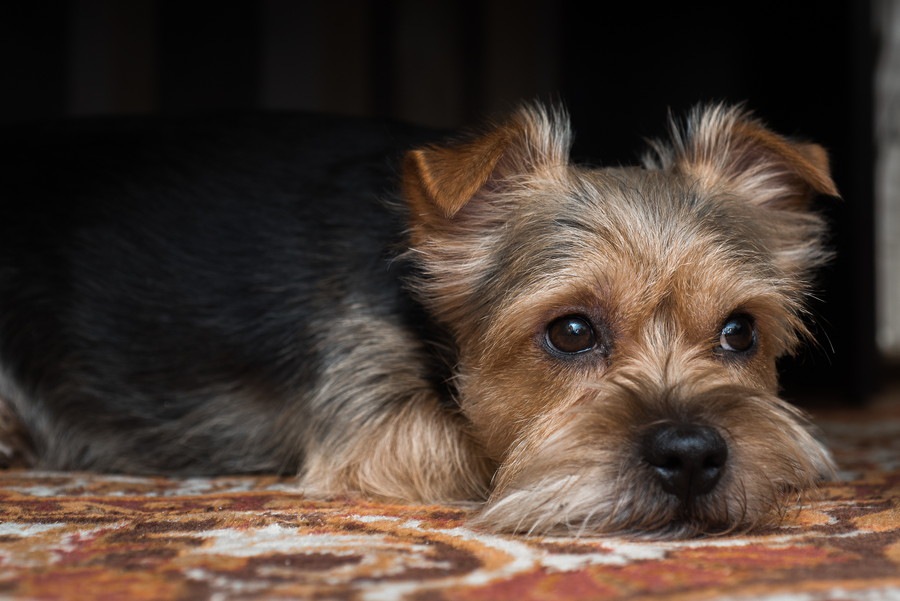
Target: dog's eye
<point x="571" y="334"/>
<point x="738" y="334"/>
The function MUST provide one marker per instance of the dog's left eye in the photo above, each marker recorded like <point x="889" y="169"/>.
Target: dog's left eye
<point x="571" y="334"/>
<point x="738" y="334"/>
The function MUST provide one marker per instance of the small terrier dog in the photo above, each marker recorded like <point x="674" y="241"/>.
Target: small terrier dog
<point x="583" y="350"/>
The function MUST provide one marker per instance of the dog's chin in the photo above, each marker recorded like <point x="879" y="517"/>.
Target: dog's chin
<point x="582" y="505"/>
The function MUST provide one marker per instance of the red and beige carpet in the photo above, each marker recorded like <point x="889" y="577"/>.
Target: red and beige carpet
<point x="83" y="536"/>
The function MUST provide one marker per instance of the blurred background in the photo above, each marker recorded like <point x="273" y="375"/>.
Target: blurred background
<point x="824" y="71"/>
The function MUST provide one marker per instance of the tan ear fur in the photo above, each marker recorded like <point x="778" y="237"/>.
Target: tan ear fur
<point x="445" y="178"/>
<point x="817" y="157"/>
<point x="802" y="164"/>
<point x="438" y="181"/>
<point x="727" y="148"/>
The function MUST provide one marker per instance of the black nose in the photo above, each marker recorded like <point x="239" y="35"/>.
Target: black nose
<point x="688" y="459"/>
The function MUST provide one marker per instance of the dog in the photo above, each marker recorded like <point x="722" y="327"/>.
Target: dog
<point x="473" y="319"/>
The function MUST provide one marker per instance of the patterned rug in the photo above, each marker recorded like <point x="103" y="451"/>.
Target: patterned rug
<point x="80" y="536"/>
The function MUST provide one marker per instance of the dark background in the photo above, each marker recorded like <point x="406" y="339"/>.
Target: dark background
<point x="806" y="68"/>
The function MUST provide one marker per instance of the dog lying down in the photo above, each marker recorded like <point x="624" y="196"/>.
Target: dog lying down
<point x="391" y="314"/>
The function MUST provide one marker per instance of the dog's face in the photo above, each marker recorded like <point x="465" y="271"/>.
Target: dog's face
<point x="618" y="328"/>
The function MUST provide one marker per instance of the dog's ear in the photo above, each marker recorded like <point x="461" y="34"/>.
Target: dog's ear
<point x="459" y="198"/>
<point x="439" y="181"/>
<point x="725" y="151"/>
<point x="725" y="148"/>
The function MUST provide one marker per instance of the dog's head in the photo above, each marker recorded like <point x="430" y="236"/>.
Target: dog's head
<point x="618" y="328"/>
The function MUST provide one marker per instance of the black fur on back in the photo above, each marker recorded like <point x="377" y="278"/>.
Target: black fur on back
<point x="172" y="290"/>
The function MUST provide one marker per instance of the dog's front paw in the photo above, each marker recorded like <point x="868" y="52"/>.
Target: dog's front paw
<point x="15" y="445"/>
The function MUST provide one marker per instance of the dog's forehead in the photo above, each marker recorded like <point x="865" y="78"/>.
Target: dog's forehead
<point x="663" y="201"/>
<point x="638" y="211"/>
<point x="627" y="241"/>
<point x="632" y="229"/>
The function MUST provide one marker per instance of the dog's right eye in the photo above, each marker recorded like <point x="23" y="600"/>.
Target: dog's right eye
<point x="571" y="335"/>
<point x="738" y="334"/>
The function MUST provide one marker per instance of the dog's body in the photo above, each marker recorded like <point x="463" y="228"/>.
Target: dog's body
<point x="266" y="297"/>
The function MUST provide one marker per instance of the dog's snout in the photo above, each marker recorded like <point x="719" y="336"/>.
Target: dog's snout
<point x="687" y="459"/>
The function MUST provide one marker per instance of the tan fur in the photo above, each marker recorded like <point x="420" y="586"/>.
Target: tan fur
<point x="15" y="446"/>
<point x="509" y="236"/>
<point x="416" y="453"/>
<point x="378" y="428"/>
<point x="573" y="349"/>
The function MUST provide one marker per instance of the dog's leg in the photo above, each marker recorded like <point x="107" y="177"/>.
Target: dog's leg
<point x="15" y="446"/>
<point x="417" y="451"/>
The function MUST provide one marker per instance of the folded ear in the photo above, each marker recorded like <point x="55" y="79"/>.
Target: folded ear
<point x="460" y="196"/>
<point x="439" y="181"/>
<point x="725" y="148"/>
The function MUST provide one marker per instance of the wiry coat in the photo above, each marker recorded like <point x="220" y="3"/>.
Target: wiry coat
<point x="278" y="296"/>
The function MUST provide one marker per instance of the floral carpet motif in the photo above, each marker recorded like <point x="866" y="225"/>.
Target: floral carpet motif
<point x="84" y="536"/>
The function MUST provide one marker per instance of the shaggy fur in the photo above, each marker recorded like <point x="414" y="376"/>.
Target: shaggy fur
<point x="580" y="349"/>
